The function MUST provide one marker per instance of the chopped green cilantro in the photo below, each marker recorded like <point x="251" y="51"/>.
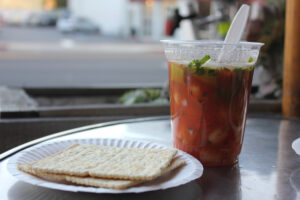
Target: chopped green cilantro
<point x="237" y="69"/>
<point x="212" y="72"/>
<point x="198" y="63"/>
<point x="200" y="70"/>
<point x="250" y="60"/>
<point x="204" y="59"/>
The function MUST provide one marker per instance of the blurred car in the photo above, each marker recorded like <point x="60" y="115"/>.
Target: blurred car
<point x="45" y="18"/>
<point x="15" y="17"/>
<point x="33" y="19"/>
<point x="48" y="19"/>
<point x="76" y="24"/>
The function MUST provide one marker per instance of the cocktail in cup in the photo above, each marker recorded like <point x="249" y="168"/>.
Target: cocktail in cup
<point x="210" y="85"/>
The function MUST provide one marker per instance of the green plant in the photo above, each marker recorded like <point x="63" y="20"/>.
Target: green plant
<point x="154" y="96"/>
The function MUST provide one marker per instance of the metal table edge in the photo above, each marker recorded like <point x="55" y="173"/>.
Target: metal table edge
<point x="99" y="125"/>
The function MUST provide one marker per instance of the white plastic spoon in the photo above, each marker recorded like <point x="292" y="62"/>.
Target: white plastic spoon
<point x="236" y="29"/>
<point x="238" y="25"/>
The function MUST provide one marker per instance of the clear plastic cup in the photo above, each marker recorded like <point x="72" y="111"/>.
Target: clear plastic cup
<point x="210" y="85"/>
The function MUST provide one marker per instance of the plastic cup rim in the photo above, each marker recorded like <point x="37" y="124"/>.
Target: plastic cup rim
<point x="210" y="42"/>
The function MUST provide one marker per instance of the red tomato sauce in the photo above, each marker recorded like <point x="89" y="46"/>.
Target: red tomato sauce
<point x="208" y="111"/>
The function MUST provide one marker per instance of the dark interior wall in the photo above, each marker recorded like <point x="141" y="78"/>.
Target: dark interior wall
<point x="16" y="132"/>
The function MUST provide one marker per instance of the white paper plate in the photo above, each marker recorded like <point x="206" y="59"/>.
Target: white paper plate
<point x="191" y="171"/>
<point x="296" y="146"/>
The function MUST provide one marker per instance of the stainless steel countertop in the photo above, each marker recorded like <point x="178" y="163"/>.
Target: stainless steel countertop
<point x="268" y="167"/>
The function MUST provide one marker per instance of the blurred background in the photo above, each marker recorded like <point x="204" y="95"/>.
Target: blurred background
<point x="69" y="63"/>
<point x="55" y="47"/>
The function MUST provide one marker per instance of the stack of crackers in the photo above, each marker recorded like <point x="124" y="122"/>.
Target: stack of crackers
<point x="104" y="166"/>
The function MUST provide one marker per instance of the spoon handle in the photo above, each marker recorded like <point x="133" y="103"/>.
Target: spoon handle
<point x="238" y="25"/>
<point x="235" y="31"/>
